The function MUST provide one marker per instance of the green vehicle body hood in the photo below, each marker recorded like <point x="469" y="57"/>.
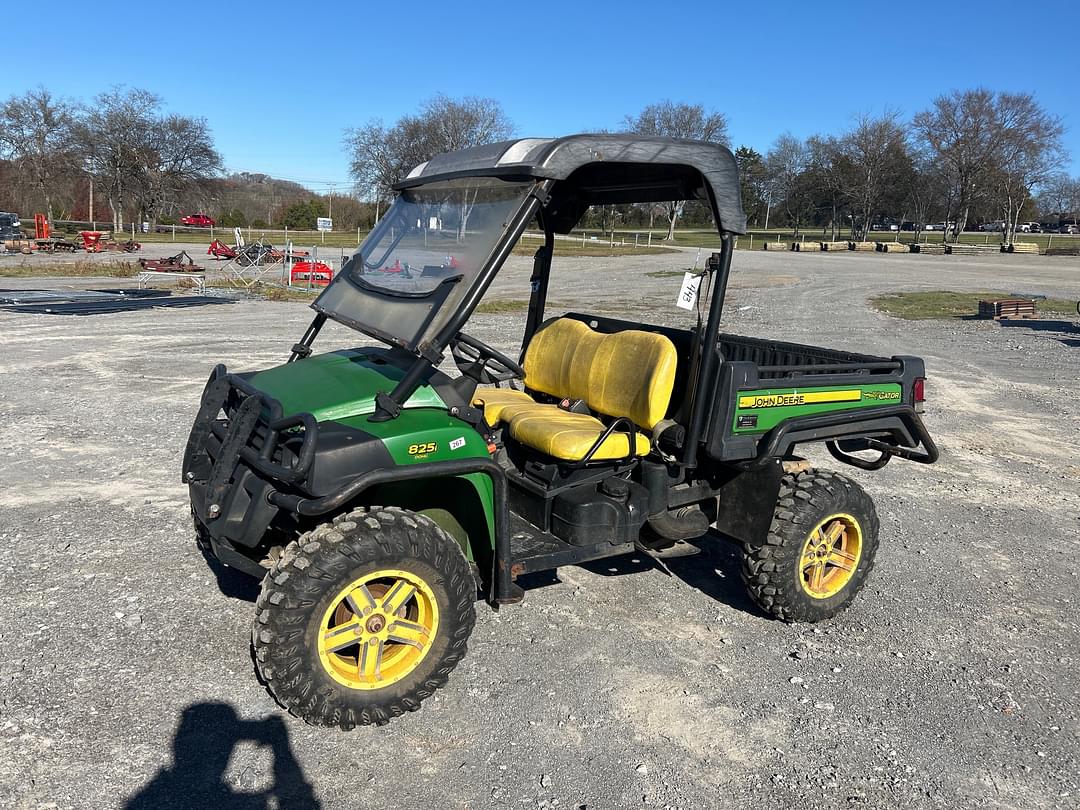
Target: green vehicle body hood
<point x="337" y="385"/>
<point x="340" y="386"/>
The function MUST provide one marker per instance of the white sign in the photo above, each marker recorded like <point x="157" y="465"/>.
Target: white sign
<point x="689" y="292"/>
<point x="324" y="224"/>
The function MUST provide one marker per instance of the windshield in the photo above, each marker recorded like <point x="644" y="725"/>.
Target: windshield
<point x="434" y="232"/>
<point x="412" y="271"/>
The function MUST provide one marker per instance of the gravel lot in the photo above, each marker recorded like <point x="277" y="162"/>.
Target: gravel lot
<point x="126" y="680"/>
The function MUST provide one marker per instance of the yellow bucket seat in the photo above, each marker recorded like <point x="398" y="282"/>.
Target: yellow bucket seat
<point x="626" y="374"/>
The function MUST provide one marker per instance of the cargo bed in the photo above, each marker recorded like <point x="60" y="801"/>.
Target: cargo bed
<point x="770" y="396"/>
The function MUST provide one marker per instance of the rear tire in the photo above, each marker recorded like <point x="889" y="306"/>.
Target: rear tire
<point x="363" y="618"/>
<point x="819" y="551"/>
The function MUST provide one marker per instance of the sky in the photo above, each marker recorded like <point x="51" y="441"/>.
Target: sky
<point x="280" y="83"/>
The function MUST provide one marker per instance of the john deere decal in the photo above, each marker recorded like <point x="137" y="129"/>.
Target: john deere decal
<point x="797" y="398"/>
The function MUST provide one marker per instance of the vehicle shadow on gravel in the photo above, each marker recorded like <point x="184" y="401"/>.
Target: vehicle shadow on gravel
<point x="1041" y="325"/>
<point x="204" y="742"/>
<point x="232" y="583"/>
<point x="714" y="571"/>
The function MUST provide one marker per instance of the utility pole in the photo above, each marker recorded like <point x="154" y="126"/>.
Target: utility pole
<point x="93" y="224"/>
<point x="331" y="214"/>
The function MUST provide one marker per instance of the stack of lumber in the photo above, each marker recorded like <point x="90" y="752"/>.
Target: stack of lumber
<point x="973" y="250"/>
<point x="808" y="247"/>
<point x="1021" y="247"/>
<point x="893" y="247"/>
<point x="1007" y="308"/>
<point x="775" y="246"/>
<point x="834" y="245"/>
<point x="862" y="245"/>
<point x="933" y="248"/>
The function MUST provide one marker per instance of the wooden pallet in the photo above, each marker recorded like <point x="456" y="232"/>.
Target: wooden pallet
<point x="893" y="247"/>
<point x="1008" y="309"/>
<point x="929" y="248"/>
<point x="1021" y="247"/>
<point x="973" y="250"/>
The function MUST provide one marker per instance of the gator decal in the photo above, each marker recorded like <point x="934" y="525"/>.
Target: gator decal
<point x="762" y="410"/>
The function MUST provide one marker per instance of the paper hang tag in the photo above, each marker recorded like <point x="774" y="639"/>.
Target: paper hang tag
<point x="689" y="292"/>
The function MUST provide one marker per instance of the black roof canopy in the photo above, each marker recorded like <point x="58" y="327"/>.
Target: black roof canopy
<point x="603" y="170"/>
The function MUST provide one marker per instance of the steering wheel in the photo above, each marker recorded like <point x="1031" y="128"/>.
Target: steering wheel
<point x="478" y="361"/>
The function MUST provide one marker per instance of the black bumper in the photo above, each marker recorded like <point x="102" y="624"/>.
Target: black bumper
<point x="239" y="451"/>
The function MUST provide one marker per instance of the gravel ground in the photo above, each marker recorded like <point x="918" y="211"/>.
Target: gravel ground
<point x="951" y="682"/>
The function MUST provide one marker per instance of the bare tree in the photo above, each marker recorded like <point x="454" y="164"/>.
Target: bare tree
<point x="671" y="120"/>
<point x="177" y="152"/>
<point x="956" y="130"/>
<point x="381" y="156"/>
<point x="830" y="172"/>
<point x="110" y="136"/>
<point x="989" y="145"/>
<point x="1028" y="143"/>
<point x="927" y="191"/>
<point x="875" y="151"/>
<point x="35" y="131"/>
<point x="786" y="164"/>
<point x="1060" y="196"/>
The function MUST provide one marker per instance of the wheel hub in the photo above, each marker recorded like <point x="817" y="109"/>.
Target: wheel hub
<point x="377" y="629"/>
<point x="376" y="623"/>
<point x="830" y="556"/>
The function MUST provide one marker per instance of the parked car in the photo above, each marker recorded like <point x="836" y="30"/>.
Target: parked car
<point x="1031" y="227"/>
<point x="940" y="226"/>
<point x="995" y="226"/>
<point x="1069" y="229"/>
<point x="197" y="221"/>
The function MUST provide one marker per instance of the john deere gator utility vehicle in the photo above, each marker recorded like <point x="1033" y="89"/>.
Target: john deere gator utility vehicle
<point x="377" y="496"/>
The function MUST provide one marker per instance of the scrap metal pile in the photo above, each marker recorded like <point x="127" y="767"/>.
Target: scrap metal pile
<point x="181" y="262"/>
<point x="97" y="302"/>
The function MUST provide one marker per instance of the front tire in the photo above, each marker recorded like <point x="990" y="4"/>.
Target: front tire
<point x="819" y="551"/>
<point x="363" y="618"/>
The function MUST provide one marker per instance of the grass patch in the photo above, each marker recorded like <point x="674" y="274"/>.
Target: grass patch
<point x="945" y="304"/>
<point x="502" y="306"/>
<point x="272" y="292"/>
<point x="752" y="240"/>
<point x="527" y="246"/>
<point x="202" y="236"/>
<point x="113" y="269"/>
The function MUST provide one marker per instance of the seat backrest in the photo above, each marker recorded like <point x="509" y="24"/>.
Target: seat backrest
<point x="628" y="373"/>
<point x="550" y="355"/>
<point x="631" y="375"/>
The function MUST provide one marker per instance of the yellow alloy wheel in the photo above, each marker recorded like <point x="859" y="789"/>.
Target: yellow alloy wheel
<point x="830" y="556"/>
<point x="378" y="629"/>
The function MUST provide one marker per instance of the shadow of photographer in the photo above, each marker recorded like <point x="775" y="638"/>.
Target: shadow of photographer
<point x="203" y="744"/>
